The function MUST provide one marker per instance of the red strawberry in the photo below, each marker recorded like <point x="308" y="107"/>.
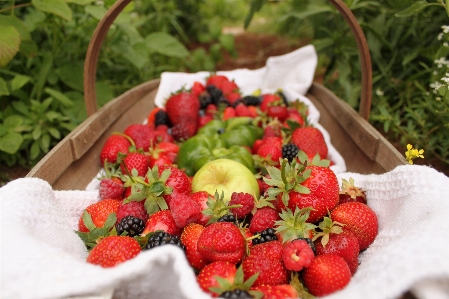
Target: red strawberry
<point x="183" y="107"/>
<point x="207" y="276"/>
<point x="136" y="161"/>
<point x="258" y="143"/>
<point x="297" y="255"/>
<point x="327" y="274"/>
<point x="189" y="238"/>
<point x="294" y="115"/>
<point x="161" y="159"/>
<point x="203" y="120"/>
<point x="211" y="110"/>
<point x="114" y="144"/>
<point x="359" y="219"/>
<point x="178" y="180"/>
<point x="113" y="250"/>
<point x="270" y="151"/>
<point x="227" y="87"/>
<point x="184" y="210"/>
<point x="111" y="188"/>
<point x="278" y="111"/>
<point x="142" y="135"/>
<point x="271" y="131"/>
<point x="233" y="97"/>
<point x="201" y="198"/>
<point x="268" y="100"/>
<point x="229" y="112"/>
<point x="132" y="208"/>
<point x="197" y="88"/>
<point x="263" y="218"/>
<point x="161" y="220"/>
<point x="349" y="192"/>
<point x="246" y="201"/>
<point x="216" y="80"/>
<point x="99" y="212"/>
<point x="243" y="110"/>
<point x="266" y="258"/>
<point x="282" y="291"/>
<point x="310" y="140"/>
<point x="222" y="241"/>
<point x="344" y="244"/>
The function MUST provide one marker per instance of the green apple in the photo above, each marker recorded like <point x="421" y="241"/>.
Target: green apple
<point x="225" y="175"/>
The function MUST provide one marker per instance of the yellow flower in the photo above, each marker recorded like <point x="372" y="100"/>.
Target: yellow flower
<point x="413" y="153"/>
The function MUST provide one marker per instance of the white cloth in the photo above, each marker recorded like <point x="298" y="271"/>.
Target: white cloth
<point x="41" y="256"/>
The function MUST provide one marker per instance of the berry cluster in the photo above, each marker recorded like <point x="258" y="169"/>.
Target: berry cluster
<point x="283" y="230"/>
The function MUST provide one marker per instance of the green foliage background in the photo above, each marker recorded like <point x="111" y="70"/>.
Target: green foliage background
<point x="42" y="50"/>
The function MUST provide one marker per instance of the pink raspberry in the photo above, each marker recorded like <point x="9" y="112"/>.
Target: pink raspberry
<point x="184" y="210"/>
<point x="111" y="188"/>
<point x="133" y="208"/>
<point x="244" y="199"/>
<point x="297" y="255"/>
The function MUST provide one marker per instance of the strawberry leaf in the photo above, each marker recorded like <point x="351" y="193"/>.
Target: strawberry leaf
<point x="87" y="220"/>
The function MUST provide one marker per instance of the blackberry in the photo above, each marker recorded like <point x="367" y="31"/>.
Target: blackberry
<point x="160" y="238"/>
<point x="205" y="100"/>
<point x="224" y="102"/>
<point x="236" y="294"/>
<point x="215" y="93"/>
<point x="161" y="118"/>
<point x="289" y="151"/>
<point x="266" y="235"/>
<point x="227" y="218"/>
<point x="236" y="102"/>
<point x="310" y="243"/>
<point x="251" y="100"/>
<point x="133" y="226"/>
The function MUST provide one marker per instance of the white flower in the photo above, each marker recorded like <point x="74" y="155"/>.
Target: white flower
<point x="445" y="44"/>
<point x="445" y="28"/>
<point x="379" y="92"/>
<point x="440" y="36"/>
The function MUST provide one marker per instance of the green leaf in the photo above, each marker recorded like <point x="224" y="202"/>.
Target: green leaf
<point x="3" y="88"/>
<point x="9" y="44"/>
<point x="64" y="100"/>
<point x="44" y="142"/>
<point x="55" y="133"/>
<point x="72" y="75"/>
<point x="19" y="81"/>
<point x="34" y="150"/>
<point x="95" y="11"/>
<point x="310" y="11"/>
<point x="11" y="142"/>
<point x="18" y="24"/>
<point x="256" y="5"/>
<point x="56" y="7"/>
<point x="12" y="121"/>
<point x="37" y="132"/>
<point x="166" y="44"/>
<point x="413" y="9"/>
<point x="87" y="220"/>
<point x="227" y="41"/>
<point x="79" y="2"/>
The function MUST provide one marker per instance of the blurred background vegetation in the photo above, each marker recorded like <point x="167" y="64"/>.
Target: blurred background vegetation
<point x="43" y="45"/>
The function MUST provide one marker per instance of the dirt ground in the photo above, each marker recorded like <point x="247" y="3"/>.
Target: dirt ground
<point x="253" y="51"/>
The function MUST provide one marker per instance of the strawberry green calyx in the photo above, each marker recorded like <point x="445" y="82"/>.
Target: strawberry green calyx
<point x="217" y="207"/>
<point x="286" y="179"/>
<point x="327" y="227"/>
<point x="293" y="225"/>
<point x="95" y="233"/>
<point x="316" y="160"/>
<point x="151" y="189"/>
<point x="239" y="283"/>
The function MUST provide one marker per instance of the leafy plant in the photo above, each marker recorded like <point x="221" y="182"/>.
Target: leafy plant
<point x="42" y="50"/>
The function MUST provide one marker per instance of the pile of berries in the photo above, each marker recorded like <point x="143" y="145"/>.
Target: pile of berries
<point x="300" y="237"/>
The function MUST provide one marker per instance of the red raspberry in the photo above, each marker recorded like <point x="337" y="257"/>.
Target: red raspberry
<point x="263" y="218"/>
<point x="244" y="199"/>
<point x="297" y="255"/>
<point x="111" y="188"/>
<point x="184" y="210"/>
<point x="133" y="208"/>
<point x="142" y="135"/>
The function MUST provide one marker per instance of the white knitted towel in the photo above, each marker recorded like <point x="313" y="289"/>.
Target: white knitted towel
<point x="42" y="257"/>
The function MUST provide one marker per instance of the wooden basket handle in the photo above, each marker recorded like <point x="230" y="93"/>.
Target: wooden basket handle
<point x="90" y="64"/>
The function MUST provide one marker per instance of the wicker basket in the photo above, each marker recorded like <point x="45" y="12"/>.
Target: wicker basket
<point x="74" y="162"/>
